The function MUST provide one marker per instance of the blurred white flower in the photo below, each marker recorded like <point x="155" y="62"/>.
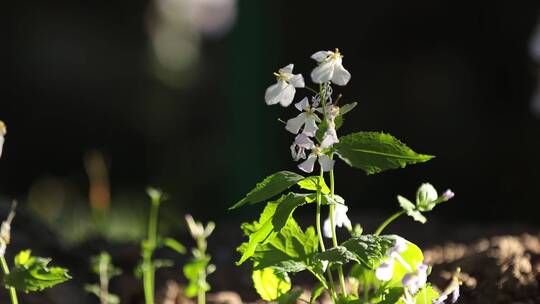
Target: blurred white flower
<point x="451" y="290"/>
<point x="3" y="131"/>
<point x="385" y="271"/>
<point x="340" y="219"/>
<point x="415" y="280"/>
<point x="308" y="119"/>
<point x="330" y="68"/>
<point x="283" y="91"/>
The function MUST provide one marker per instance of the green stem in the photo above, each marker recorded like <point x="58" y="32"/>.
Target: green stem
<point x="388" y="221"/>
<point x="334" y="236"/>
<point x="12" y="291"/>
<point x="321" y="241"/>
<point x="148" y="266"/>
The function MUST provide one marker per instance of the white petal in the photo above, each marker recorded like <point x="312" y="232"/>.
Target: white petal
<point x="287" y="69"/>
<point x="327" y="228"/>
<point x="294" y="154"/>
<point x="385" y="271"/>
<point x="287" y="95"/>
<point x="341" y="218"/>
<point x="302" y="104"/>
<point x="330" y="138"/>
<point x="1" y="144"/>
<point x="294" y="124"/>
<point x="326" y="163"/>
<point x="307" y="165"/>
<point x="455" y="295"/>
<point x="311" y="126"/>
<point x="297" y="81"/>
<point x="341" y="76"/>
<point x="273" y="93"/>
<point x="303" y="141"/>
<point x="320" y="55"/>
<point x="323" y="72"/>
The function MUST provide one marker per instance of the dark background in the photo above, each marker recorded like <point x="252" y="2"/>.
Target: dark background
<point x="178" y="103"/>
<point x="447" y="78"/>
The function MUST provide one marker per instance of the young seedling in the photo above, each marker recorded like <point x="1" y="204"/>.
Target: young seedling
<point x="199" y="267"/>
<point x="389" y="268"/>
<point x="102" y="266"/>
<point x="151" y="243"/>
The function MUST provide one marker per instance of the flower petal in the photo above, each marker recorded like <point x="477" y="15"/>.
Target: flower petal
<point x="307" y="165"/>
<point x="327" y="228"/>
<point x="320" y="55"/>
<point x="341" y="76"/>
<point x="303" y="141"/>
<point x="455" y="295"/>
<point x="323" y="73"/>
<point x="311" y="126"/>
<point x="294" y="124"/>
<point x="297" y="81"/>
<point x="273" y="93"/>
<point x="1" y="144"/>
<point x="287" y="95"/>
<point x="326" y="163"/>
<point x="302" y="104"/>
<point x="385" y="271"/>
<point x="287" y="69"/>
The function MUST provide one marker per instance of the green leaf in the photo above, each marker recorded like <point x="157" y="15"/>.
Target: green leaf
<point x="102" y="264"/>
<point x="337" y="255"/>
<point x="195" y="271"/>
<point x="269" y="284"/>
<point x="316" y="293"/>
<point x="369" y="249"/>
<point x="274" y="217"/>
<point x="376" y="152"/>
<point x="269" y="187"/>
<point x="33" y="274"/>
<point x="289" y="251"/>
<point x="412" y="256"/>
<point x="410" y="209"/>
<point x="314" y="183"/>
<point x="346" y="108"/>
<point x="290" y="297"/>
<point x="426" y="295"/>
<point x="174" y="245"/>
<point x="350" y="299"/>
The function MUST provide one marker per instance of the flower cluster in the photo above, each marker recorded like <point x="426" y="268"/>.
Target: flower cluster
<point x="316" y="113"/>
<point x="306" y="124"/>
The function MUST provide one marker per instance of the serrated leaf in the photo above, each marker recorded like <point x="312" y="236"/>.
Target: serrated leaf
<point x="314" y="183"/>
<point x="369" y="249"/>
<point x="405" y="204"/>
<point x="269" y="187"/>
<point x="174" y="245"/>
<point x="316" y="293"/>
<point x="289" y="251"/>
<point x="376" y="152"/>
<point x="336" y="255"/>
<point x="273" y="219"/>
<point x="269" y="284"/>
<point x="33" y="274"/>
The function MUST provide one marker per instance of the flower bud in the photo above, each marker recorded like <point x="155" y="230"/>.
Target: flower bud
<point x="447" y="195"/>
<point x="425" y="196"/>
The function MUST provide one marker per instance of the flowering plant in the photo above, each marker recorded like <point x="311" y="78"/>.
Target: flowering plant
<point x="386" y="268"/>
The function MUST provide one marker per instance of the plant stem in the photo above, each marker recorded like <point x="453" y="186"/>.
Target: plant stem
<point x="321" y="241"/>
<point x="12" y="291"/>
<point x="388" y="221"/>
<point x="334" y="236"/>
<point x="148" y="250"/>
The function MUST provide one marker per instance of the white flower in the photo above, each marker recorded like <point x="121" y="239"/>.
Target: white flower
<point x="330" y="68"/>
<point x="414" y="281"/>
<point x="330" y="135"/>
<point x="3" y="132"/>
<point x="326" y="163"/>
<point x="283" y="91"/>
<point x="385" y="271"/>
<point x="340" y="220"/>
<point x="451" y="290"/>
<point x="299" y="146"/>
<point x="308" y="119"/>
